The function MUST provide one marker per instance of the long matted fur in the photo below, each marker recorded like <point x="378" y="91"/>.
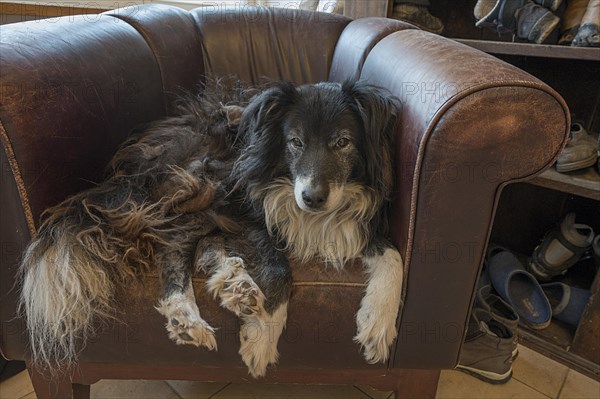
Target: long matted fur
<point x="162" y="191"/>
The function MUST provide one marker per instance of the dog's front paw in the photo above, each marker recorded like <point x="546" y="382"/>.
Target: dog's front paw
<point x="257" y="349"/>
<point x="376" y="330"/>
<point x="259" y="337"/>
<point x="238" y="292"/>
<point x="184" y="324"/>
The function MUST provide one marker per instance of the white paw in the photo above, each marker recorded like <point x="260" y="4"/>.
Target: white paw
<point x="184" y="324"/>
<point x="376" y="331"/>
<point x="238" y="292"/>
<point x="259" y="338"/>
<point x="376" y="318"/>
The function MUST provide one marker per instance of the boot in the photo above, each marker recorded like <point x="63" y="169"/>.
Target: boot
<point x="535" y="23"/>
<point x="588" y="34"/>
<point x="528" y="20"/>
<point x="571" y="21"/>
<point x="487" y="350"/>
<point x="500" y="310"/>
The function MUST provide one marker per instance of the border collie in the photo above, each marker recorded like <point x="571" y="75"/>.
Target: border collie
<point x="222" y="188"/>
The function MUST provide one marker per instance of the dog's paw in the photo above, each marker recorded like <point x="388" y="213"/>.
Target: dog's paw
<point x="259" y="338"/>
<point x="184" y="324"/>
<point x="376" y="331"/>
<point x="257" y="349"/>
<point x="238" y="292"/>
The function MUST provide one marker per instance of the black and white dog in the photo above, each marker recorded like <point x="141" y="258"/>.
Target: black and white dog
<point x="222" y="188"/>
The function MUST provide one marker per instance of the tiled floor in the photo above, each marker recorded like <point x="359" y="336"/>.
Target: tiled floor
<point x="534" y="376"/>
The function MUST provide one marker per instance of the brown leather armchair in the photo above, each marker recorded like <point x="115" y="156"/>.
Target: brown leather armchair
<point x="72" y="88"/>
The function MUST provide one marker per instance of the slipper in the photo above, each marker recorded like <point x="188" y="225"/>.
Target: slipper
<point x="568" y="303"/>
<point x="519" y="288"/>
<point x="560" y="249"/>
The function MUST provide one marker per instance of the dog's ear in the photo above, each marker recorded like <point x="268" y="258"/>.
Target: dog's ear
<point x="378" y="110"/>
<point x="261" y="132"/>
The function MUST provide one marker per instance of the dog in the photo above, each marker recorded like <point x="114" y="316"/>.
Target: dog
<point x="222" y="188"/>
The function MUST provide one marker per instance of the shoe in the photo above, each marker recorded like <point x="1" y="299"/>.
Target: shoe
<point x="588" y="34"/>
<point x="519" y="288"/>
<point x="560" y="249"/>
<point x="487" y="300"/>
<point x="528" y="20"/>
<point x="568" y="303"/>
<point x="571" y="20"/>
<point x="418" y="16"/>
<point x="580" y="151"/>
<point x="487" y="350"/>
<point x="535" y="23"/>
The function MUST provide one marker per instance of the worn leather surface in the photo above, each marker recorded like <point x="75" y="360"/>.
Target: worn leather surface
<point x="469" y="124"/>
<point x="258" y="43"/>
<point x="172" y="35"/>
<point x="72" y="88"/>
<point x="355" y="43"/>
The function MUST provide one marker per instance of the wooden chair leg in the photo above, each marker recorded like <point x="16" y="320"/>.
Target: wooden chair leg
<point x="419" y="384"/>
<point x="56" y="387"/>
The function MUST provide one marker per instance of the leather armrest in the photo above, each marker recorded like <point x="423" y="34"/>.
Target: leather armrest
<point x="470" y="125"/>
<point x="71" y="90"/>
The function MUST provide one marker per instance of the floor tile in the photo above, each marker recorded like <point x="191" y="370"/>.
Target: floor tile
<point x="373" y="393"/>
<point x="16" y="386"/>
<point x="458" y="385"/>
<point x="195" y="389"/>
<point x="288" y="391"/>
<point x="578" y="386"/>
<point x="539" y="372"/>
<point x="132" y="389"/>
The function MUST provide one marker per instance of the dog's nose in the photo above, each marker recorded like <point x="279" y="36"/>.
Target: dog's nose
<point x="314" y="198"/>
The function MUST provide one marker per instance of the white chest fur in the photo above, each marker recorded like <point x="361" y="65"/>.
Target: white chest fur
<point x="334" y="236"/>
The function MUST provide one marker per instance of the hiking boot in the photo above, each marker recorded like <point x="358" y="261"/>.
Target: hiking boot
<point x="588" y="34"/>
<point x="535" y="23"/>
<point x="487" y="300"/>
<point x="487" y="350"/>
<point x="418" y="16"/>
<point x="529" y="21"/>
<point x="580" y="151"/>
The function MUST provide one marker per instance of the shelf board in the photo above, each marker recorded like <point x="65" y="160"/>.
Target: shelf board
<point x="534" y="50"/>
<point x="584" y="182"/>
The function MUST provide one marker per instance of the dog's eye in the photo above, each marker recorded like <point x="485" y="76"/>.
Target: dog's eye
<point x="296" y="142"/>
<point x="342" y="142"/>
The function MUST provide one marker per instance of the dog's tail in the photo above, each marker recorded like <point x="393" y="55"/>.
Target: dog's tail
<point x="69" y="271"/>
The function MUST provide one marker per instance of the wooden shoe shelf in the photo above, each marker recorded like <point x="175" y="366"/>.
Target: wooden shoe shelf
<point x="528" y="210"/>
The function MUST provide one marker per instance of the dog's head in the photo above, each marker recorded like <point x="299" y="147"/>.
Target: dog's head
<point x="322" y="137"/>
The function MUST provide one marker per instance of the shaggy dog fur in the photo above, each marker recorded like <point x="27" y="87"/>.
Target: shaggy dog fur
<point x="221" y="188"/>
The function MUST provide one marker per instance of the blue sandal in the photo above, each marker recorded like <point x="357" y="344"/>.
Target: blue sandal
<point x="519" y="288"/>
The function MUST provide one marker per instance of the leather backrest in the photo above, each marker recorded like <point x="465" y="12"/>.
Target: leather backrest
<point x="254" y="43"/>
